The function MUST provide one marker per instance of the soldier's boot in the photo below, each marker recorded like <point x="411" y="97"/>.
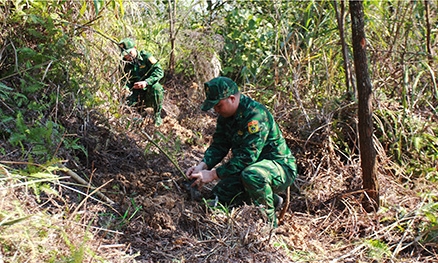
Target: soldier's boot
<point x="278" y="201"/>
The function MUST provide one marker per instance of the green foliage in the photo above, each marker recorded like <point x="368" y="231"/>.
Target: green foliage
<point x="77" y="253"/>
<point x="129" y="214"/>
<point x="411" y="140"/>
<point x="246" y="44"/>
<point x="42" y="139"/>
<point x="39" y="178"/>
<point x="303" y="256"/>
<point x="378" y="250"/>
<point x="170" y="144"/>
<point x="48" y="63"/>
<point x="218" y="208"/>
<point x="73" y="144"/>
<point x="430" y="233"/>
<point x="429" y="227"/>
<point x="5" y="221"/>
<point x="110" y="220"/>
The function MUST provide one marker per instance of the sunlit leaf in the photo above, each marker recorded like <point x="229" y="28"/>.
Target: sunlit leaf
<point x="83" y="8"/>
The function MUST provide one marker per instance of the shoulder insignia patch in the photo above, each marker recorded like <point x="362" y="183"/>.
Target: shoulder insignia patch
<point x="153" y="60"/>
<point x="253" y="126"/>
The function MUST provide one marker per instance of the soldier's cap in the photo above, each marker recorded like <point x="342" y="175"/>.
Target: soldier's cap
<point x="126" y="45"/>
<point x="217" y="89"/>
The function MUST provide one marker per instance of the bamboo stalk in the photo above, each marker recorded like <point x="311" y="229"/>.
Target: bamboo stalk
<point x="79" y="179"/>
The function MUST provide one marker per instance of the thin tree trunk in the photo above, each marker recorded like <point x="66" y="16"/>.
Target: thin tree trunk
<point x="340" y="19"/>
<point x="172" y="34"/>
<point x="367" y="150"/>
<point x="428" y="30"/>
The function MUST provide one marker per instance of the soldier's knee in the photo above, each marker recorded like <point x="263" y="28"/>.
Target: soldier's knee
<point x="253" y="177"/>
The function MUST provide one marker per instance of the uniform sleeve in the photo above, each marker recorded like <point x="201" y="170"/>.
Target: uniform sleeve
<point x="219" y="148"/>
<point x="155" y="73"/>
<point x="251" y="145"/>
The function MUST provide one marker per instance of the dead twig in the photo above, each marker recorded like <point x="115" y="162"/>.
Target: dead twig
<point x="79" y="179"/>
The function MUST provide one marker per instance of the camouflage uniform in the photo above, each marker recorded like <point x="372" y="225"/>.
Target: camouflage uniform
<point x="261" y="163"/>
<point x="143" y="68"/>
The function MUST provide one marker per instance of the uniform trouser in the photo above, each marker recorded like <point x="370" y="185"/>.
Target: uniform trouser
<point x="257" y="184"/>
<point x="153" y="97"/>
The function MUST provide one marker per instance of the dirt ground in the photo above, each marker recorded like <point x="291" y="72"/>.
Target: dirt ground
<point x="154" y="217"/>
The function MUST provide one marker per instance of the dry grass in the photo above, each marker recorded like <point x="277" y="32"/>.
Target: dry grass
<point x="49" y="228"/>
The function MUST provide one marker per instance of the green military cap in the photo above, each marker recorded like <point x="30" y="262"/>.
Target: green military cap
<point x="217" y="89"/>
<point x="126" y="45"/>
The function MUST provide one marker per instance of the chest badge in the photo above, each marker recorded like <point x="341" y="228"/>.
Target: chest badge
<point x="253" y="126"/>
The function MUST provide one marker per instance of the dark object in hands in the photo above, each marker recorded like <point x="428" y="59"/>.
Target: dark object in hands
<point x="195" y="195"/>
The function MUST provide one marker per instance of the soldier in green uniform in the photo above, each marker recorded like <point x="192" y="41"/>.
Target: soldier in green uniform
<point x="261" y="164"/>
<point x="143" y="73"/>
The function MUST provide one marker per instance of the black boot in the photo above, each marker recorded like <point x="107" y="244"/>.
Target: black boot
<point x="278" y="201"/>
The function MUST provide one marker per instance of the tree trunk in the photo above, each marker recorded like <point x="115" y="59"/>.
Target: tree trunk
<point x="367" y="151"/>
<point x="340" y="19"/>
<point x="428" y="32"/>
<point x="172" y="10"/>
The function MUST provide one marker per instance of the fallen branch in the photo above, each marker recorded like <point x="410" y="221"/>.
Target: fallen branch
<point x="79" y="179"/>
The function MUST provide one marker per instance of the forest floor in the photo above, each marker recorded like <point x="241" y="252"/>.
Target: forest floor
<point x="153" y="218"/>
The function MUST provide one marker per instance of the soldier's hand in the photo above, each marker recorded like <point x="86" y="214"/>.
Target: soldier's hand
<point x="203" y="177"/>
<point x="196" y="169"/>
<point x="140" y="85"/>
